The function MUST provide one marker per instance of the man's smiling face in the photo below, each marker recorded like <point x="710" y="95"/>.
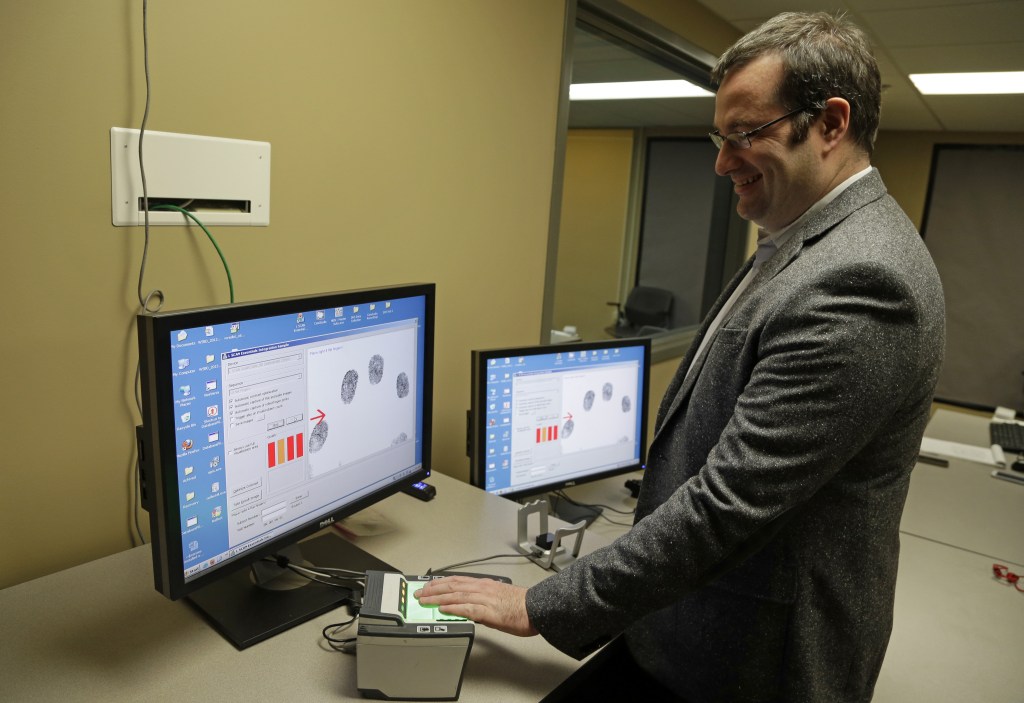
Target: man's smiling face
<point x="776" y="180"/>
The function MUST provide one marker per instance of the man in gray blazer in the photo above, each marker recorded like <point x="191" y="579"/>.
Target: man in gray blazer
<point x="762" y="562"/>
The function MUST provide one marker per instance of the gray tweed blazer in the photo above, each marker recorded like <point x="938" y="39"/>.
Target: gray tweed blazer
<point x="762" y="562"/>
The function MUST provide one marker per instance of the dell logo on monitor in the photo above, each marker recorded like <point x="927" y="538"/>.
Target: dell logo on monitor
<point x="325" y="523"/>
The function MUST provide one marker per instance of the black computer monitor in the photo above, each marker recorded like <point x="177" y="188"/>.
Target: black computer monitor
<point x="546" y="417"/>
<point x="265" y="422"/>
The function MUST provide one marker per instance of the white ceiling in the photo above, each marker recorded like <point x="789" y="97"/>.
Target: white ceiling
<point x="909" y="36"/>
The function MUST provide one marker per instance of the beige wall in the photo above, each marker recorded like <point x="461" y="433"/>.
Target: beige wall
<point x="595" y="205"/>
<point x="412" y="141"/>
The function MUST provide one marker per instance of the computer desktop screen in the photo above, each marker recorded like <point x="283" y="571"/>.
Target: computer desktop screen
<point x="546" y="417"/>
<point x="265" y="422"/>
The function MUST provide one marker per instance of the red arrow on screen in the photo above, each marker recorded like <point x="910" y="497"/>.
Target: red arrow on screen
<point x="319" y="417"/>
<point x="569" y="416"/>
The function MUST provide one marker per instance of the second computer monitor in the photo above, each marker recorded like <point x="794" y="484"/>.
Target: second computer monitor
<point x="546" y="417"/>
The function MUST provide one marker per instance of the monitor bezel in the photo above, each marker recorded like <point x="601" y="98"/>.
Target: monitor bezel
<point x="158" y="458"/>
<point x="477" y="423"/>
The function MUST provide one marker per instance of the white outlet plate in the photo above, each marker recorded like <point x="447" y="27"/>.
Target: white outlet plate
<point x="189" y="167"/>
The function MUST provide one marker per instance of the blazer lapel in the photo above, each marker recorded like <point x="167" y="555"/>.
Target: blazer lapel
<point x="676" y="391"/>
<point x="861" y="192"/>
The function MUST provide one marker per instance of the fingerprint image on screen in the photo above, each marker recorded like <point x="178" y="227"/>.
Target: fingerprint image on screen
<point x="376" y="370"/>
<point x="318" y="436"/>
<point x="348" y="386"/>
<point x="363" y="417"/>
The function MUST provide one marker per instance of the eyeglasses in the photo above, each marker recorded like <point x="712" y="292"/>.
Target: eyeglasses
<point x="741" y="140"/>
<point x="1003" y="573"/>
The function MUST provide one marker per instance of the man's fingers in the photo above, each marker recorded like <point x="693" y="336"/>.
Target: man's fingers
<point x="453" y="584"/>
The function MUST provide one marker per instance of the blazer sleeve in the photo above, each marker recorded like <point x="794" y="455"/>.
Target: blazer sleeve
<point x="826" y="363"/>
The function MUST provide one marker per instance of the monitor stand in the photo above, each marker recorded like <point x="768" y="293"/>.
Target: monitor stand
<point x="572" y="513"/>
<point x="247" y="613"/>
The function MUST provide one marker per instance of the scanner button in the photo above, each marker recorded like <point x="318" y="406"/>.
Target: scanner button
<point x="440" y="628"/>
<point x="423" y="629"/>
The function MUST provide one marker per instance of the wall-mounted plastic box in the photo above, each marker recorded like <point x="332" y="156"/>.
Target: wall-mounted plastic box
<point x="223" y="181"/>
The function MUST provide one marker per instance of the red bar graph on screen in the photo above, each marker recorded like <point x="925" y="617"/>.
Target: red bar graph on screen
<point x="547" y="434"/>
<point x="280" y="451"/>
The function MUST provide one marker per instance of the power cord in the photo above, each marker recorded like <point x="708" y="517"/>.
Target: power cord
<point x="345" y="644"/>
<point x="156" y="294"/>
<point x="144" y="300"/>
<point x="515" y="555"/>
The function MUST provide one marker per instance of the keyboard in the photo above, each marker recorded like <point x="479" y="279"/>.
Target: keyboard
<point x="1008" y="435"/>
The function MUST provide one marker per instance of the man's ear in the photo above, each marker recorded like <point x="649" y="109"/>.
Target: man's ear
<point x="835" y="121"/>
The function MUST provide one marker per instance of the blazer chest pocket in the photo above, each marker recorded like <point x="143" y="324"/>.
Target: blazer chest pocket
<point x="730" y="338"/>
<point x="725" y="355"/>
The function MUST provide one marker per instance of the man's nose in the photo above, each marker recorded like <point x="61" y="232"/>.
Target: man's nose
<point x="726" y="160"/>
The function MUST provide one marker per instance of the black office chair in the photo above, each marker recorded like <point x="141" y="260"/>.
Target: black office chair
<point x="647" y="312"/>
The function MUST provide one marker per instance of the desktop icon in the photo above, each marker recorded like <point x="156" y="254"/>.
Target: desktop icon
<point x="299" y="318"/>
<point x="209" y="330"/>
<point x="387" y="306"/>
<point x="193" y="545"/>
<point x="212" y="411"/>
<point x="210" y="358"/>
<point x="373" y="306"/>
<point x="211" y="385"/>
<point x="215" y="462"/>
<point x="338" y="312"/>
<point x="192" y="522"/>
<point x="189" y="470"/>
<point x="235" y="326"/>
<point x="215" y="487"/>
<point x="216" y="512"/>
<point x="182" y="364"/>
<point x="213" y="437"/>
<point x="320" y="314"/>
<point x="185" y="417"/>
<point x="182" y="335"/>
<point x="190" y="496"/>
<point x="355" y="308"/>
<point x="186" y="391"/>
<point x="186" y="445"/>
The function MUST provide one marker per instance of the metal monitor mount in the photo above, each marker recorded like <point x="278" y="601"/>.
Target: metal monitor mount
<point x="537" y="550"/>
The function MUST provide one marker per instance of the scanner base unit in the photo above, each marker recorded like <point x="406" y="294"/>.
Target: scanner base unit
<point x="407" y="651"/>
